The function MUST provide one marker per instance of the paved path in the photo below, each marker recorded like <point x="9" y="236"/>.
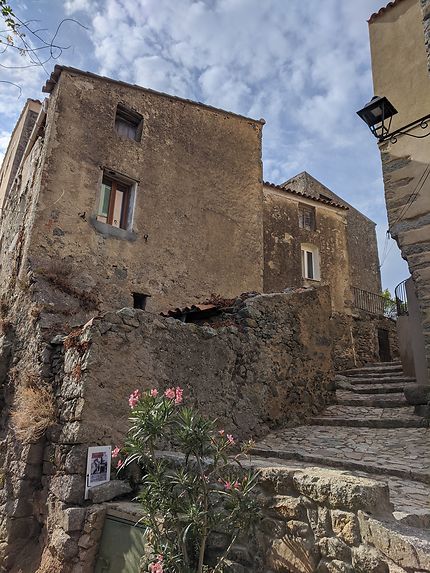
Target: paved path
<point x="385" y="441"/>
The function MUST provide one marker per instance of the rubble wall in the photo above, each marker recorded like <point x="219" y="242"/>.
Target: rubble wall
<point x="355" y="339"/>
<point x="328" y="521"/>
<point x="266" y="365"/>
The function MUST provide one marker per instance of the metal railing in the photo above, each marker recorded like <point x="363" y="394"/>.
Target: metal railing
<point x="401" y="298"/>
<point x="368" y="301"/>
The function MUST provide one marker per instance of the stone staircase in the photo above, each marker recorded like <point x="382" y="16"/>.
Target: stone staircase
<point x="371" y="397"/>
<point x="371" y="431"/>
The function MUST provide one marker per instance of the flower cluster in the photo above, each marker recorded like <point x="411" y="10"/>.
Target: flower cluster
<point x="229" y="437"/>
<point x="134" y="398"/>
<point x="157" y="567"/>
<point x="228" y="485"/>
<point x="174" y="394"/>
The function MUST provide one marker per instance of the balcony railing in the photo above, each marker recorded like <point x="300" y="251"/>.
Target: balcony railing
<point x="401" y="298"/>
<point x="369" y="301"/>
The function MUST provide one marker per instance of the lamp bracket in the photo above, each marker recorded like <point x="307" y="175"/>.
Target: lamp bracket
<point x="423" y="123"/>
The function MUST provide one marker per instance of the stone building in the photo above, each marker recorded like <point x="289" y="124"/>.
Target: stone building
<point x="399" y="41"/>
<point x="312" y="236"/>
<point x="18" y="141"/>
<point x="123" y="197"/>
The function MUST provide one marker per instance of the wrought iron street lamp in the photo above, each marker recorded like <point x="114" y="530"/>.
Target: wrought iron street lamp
<point x="378" y="113"/>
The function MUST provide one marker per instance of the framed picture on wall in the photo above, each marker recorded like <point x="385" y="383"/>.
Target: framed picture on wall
<point x="98" y="466"/>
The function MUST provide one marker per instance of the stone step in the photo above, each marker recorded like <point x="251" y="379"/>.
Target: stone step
<point x="378" y="388"/>
<point x="371" y="422"/>
<point x="372" y="370"/>
<point x="377" y="376"/>
<point x="348" y="398"/>
<point x="384" y="380"/>
<point x="370" y="417"/>
<point x="339" y="462"/>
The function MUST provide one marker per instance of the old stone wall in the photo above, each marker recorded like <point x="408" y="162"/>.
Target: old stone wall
<point x="312" y="520"/>
<point x="355" y="339"/>
<point x="282" y="246"/>
<point x="197" y="218"/>
<point x="400" y="72"/>
<point x="18" y="141"/>
<point x="425" y="7"/>
<point x="267" y="364"/>
<point x="326" y="521"/>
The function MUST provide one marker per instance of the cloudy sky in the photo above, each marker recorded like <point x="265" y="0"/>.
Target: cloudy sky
<point x="304" y="66"/>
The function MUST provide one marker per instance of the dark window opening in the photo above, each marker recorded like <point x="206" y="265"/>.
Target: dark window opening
<point x="115" y="203"/>
<point x="128" y="123"/>
<point x="140" y="300"/>
<point x="307" y="217"/>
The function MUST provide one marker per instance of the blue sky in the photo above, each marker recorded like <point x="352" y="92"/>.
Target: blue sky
<point x="304" y="66"/>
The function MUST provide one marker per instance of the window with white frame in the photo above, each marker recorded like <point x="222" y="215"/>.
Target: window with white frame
<point x="310" y="262"/>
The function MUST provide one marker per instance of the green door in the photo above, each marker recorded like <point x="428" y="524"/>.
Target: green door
<point x="121" y="546"/>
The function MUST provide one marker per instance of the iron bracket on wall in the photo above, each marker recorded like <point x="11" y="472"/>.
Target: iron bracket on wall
<point x="423" y="123"/>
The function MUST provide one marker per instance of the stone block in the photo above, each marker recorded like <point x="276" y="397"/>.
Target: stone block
<point x="334" y="548"/>
<point x="287" y="507"/>
<point x="73" y="518"/>
<point x="298" y="529"/>
<point x="345" y="526"/>
<point x="403" y="545"/>
<point x="340" y="490"/>
<point x="63" y="545"/>
<point x="417" y="393"/>
<point x="109" y="490"/>
<point x="365" y="559"/>
<point x="296" y="555"/>
<point x="94" y="519"/>
<point x="69" y="488"/>
<point x="337" y="566"/>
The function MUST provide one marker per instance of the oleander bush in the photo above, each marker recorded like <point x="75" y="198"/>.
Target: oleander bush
<point x="201" y="491"/>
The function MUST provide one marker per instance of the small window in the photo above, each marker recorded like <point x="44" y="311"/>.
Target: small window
<point x="128" y="123"/>
<point x="140" y="300"/>
<point x="115" y="203"/>
<point x="307" y="217"/>
<point x="310" y="263"/>
<point x="326" y="198"/>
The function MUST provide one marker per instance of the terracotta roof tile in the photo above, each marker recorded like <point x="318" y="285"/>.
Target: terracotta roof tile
<point x="307" y="195"/>
<point x="383" y="10"/>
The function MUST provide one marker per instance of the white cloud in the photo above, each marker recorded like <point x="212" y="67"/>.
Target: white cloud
<point x="304" y="67"/>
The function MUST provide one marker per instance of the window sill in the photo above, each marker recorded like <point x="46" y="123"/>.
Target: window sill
<point x="110" y="231"/>
<point x="311" y="280"/>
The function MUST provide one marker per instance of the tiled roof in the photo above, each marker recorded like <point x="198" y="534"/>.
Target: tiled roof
<point x="55" y="75"/>
<point x="383" y="10"/>
<point x="306" y="195"/>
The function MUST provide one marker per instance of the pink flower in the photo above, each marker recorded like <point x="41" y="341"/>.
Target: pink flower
<point x="134" y="398"/>
<point x="170" y="393"/>
<point x="158" y="566"/>
<point x="115" y="452"/>
<point x="119" y="464"/>
<point x="227" y="485"/>
<point x="178" y="394"/>
<point x="221" y="432"/>
<point x="236" y="485"/>
<point x="154" y="392"/>
<point x="230" y="439"/>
